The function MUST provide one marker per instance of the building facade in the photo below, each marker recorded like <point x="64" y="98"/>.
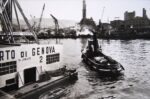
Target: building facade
<point x="132" y="25"/>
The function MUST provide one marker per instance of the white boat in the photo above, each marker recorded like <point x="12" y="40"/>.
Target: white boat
<point x="24" y="62"/>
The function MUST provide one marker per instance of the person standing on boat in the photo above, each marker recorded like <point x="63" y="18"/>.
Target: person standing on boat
<point x="97" y="48"/>
<point x="90" y="49"/>
<point x="95" y="41"/>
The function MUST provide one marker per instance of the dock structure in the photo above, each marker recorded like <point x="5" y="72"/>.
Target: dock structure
<point x="6" y="7"/>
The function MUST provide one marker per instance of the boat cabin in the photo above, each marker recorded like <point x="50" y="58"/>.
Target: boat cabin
<point x="23" y="64"/>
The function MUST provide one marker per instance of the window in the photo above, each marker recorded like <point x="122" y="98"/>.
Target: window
<point x="8" y="67"/>
<point x="52" y="58"/>
<point x="10" y="81"/>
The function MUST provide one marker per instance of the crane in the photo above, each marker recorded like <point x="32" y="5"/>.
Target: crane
<point x="34" y="22"/>
<point x="39" y="25"/>
<point x="100" y="22"/>
<point x="102" y="13"/>
<point x="5" y="18"/>
<point x="56" y="26"/>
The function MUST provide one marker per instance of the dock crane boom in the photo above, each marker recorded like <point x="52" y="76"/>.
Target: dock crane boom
<point x="39" y="25"/>
<point x="100" y="22"/>
<point x="6" y="19"/>
<point x="56" y="24"/>
<point x="102" y="13"/>
<point x="34" y="22"/>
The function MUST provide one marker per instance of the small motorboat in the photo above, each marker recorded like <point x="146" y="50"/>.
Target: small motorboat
<point x="96" y="60"/>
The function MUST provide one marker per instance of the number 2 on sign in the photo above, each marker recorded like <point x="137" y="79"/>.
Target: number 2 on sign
<point x="41" y="59"/>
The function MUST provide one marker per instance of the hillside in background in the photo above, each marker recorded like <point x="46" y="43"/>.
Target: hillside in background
<point x="47" y="23"/>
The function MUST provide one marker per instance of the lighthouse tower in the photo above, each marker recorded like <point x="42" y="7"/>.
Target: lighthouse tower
<point x="84" y="10"/>
<point x="86" y="22"/>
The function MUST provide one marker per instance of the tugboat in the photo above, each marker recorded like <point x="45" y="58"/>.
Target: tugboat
<point x="25" y="64"/>
<point x="98" y="61"/>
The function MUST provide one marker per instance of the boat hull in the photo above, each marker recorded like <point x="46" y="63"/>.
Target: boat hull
<point x="100" y="68"/>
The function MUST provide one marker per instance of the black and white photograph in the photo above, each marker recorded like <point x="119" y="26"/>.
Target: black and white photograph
<point x="74" y="49"/>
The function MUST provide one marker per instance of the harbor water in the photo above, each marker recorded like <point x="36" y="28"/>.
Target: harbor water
<point x="134" y="55"/>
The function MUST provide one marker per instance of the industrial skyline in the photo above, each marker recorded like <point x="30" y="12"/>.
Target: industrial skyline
<point x="106" y="10"/>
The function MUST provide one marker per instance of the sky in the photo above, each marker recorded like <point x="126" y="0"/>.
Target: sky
<point x="72" y="9"/>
